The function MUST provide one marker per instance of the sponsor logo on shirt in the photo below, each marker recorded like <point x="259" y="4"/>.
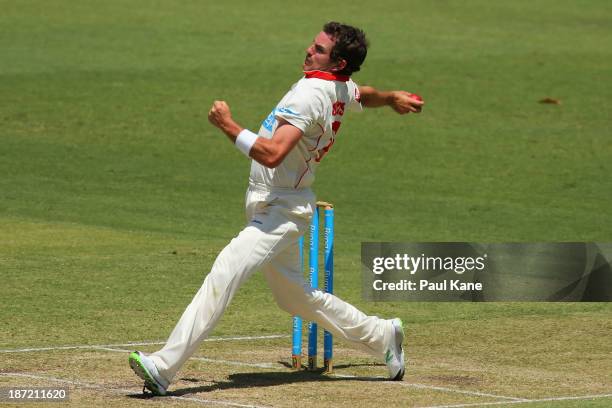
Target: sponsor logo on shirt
<point x="270" y="120"/>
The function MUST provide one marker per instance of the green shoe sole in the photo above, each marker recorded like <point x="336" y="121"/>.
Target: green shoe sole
<point x="141" y="371"/>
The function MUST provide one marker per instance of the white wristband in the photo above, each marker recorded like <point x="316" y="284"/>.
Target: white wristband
<point x="245" y="141"/>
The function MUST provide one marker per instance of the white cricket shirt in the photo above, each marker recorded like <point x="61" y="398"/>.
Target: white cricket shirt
<point x="315" y="105"/>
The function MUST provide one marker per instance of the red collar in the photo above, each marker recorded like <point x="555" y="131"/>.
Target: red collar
<point x="328" y="76"/>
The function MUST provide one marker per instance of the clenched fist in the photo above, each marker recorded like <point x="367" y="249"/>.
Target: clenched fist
<point x="220" y="114"/>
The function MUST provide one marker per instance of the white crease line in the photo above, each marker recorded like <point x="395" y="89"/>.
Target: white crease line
<point x="116" y="350"/>
<point x="108" y="347"/>
<point x="526" y="401"/>
<point x="145" y="343"/>
<point x="433" y="387"/>
<point x="513" y="400"/>
<point x="358" y="377"/>
<point x="27" y="350"/>
<point x="125" y="391"/>
<point x="233" y="404"/>
<point x="271" y="336"/>
<point x="236" y="363"/>
<point x="475" y="393"/>
<point x="209" y="360"/>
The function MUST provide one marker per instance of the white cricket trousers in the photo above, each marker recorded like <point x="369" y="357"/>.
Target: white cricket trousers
<point x="269" y="242"/>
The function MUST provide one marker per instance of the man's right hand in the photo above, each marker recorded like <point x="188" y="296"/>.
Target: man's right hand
<point x="400" y="101"/>
<point x="405" y="102"/>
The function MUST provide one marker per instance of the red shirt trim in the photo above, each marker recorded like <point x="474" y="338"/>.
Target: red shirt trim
<point x="328" y="76"/>
<point x="318" y="139"/>
<point x="303" y="174"/>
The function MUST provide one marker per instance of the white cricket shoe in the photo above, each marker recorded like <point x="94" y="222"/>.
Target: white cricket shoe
<point x="144" y="367"/>
<point x="394" y="356"/>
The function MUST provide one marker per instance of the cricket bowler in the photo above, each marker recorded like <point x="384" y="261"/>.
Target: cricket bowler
<point x="285" y="154"/>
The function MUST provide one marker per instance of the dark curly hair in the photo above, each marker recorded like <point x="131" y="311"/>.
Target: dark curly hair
<point x="351" y="45"/>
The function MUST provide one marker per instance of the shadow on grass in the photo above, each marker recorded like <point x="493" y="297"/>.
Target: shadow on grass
<point x="249" y="380"/>
<point x="265" y="379"/>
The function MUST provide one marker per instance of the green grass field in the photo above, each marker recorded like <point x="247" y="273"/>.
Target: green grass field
<point x="116" y="194"/>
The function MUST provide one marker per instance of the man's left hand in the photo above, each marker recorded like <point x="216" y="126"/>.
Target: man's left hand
<point x="219" y="114"/>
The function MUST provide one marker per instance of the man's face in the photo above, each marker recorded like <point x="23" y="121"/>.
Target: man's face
<point x="318" y="54"/>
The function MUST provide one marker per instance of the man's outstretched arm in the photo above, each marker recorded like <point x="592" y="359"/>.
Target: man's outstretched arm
<point x="268" y="152"/>
<point x="400" y="101"/>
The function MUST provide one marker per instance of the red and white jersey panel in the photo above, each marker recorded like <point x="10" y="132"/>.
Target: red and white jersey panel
<point x="316" y="105"/>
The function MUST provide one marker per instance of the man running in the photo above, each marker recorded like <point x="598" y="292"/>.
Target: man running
<point x="285" y="154"/>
